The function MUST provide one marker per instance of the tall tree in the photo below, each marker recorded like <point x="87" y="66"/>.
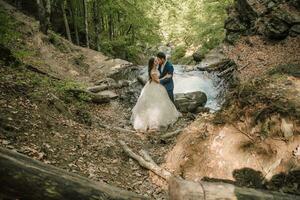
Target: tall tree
<point x="86" y="27"/>
<point x="63" y="9"/>
<point x="97" y="23"/>
<point x="44" y="9"/>
<point x="73" y="11"/>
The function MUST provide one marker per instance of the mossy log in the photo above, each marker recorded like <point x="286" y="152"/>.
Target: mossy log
<point x="24" y="178"/>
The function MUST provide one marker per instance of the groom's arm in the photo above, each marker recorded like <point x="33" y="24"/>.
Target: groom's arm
<point x="168" y="78"/>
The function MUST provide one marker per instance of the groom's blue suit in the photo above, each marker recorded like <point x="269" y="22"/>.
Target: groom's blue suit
<point x="167" y="82"/>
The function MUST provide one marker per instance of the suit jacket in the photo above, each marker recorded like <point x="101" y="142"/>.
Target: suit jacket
<point x="168" y="82"/>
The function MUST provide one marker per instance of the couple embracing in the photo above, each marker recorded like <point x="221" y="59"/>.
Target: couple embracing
<point x="155" y="107"/>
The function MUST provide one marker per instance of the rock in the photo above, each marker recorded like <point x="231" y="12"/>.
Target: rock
<point x="109" y="94"/>
<point x="232" y="37"/>
<point x="142" y="79"/>
<point x="249" y="10"/>
<point x="271" y="4"/>
<point x="122" y="83"/>
<point x="197" y="57"/>
<point x="295" y="3"/>
<point x="276" y="29"/>
<point x="106" y="81"/>
<point x="103" y="97"/>
<point x="202" y="110"/>
<point x="98" y="88"/>
<point x="213" y="59"/>
<point x="235" y="25"/>
<point x="290" y="18"/>
<point x="286" y="128"/>
<point x="189" y="102"/>
<point x="271" y="18"/>
<point x="295" y="30"/>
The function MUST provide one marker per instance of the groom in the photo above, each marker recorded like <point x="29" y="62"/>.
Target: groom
<point x="166" y="68"/>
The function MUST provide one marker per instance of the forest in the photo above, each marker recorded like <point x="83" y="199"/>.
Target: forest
<point x="133" y="29"/>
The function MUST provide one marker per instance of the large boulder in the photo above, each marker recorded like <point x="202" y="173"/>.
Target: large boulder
<point x="189" y="102"/>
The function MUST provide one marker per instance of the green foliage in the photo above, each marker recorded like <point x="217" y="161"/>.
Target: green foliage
<point x="178" y="53"/>
<point x="194" y="23"/>
<point x="8" y="33"/>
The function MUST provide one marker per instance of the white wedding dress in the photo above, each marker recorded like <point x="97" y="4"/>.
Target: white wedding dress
<point x="153" y="109"/>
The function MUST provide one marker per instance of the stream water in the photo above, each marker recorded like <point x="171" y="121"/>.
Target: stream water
<point x="191" y="81"/>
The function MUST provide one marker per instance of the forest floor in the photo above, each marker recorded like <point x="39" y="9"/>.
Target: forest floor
<point x="42" y="119"/>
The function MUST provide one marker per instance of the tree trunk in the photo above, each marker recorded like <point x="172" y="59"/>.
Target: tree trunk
<point x="97" y="24"/>
<point x="110" y="26"/>
<point x="24" y="178"/>
<point x="66" y="20"/>
<point x="73" y="11"/>
<point x="86" y="23"/>
<point x="187" y="190"/>
<point x="44" y="9"/>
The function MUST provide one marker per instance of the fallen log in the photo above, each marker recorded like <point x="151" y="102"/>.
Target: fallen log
<point x="24" y="178"/>
<point x="180" y="189"/>
<point x="146" y="161"/>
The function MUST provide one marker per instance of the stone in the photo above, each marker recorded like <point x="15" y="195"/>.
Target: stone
<point x="232" y="37"/>
<point x="142" y="79"/>
<point x="109" y="94"/>
<point x="276" y="29"/>
<point x="106" y="81"/>
<point x="235" y="25"/>
<point x="202" y="110"/>
<point x="249" y="10"/>
<point x="295" y="30"/>
<point x="98" y="88"/>
<point x="286" y="128"/>
<point x="189" y="102"/>
<point x="197" y="57"/>
<point x="290" y="18"/>
<point x="103" y="97"/>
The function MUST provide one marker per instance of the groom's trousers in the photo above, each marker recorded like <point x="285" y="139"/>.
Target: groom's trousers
<point x="171" y="95"/>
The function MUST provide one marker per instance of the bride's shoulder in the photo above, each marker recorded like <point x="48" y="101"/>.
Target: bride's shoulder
<point x="154" y="72"/>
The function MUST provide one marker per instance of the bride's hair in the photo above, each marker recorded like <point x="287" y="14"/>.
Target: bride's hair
<point x="150" y="66"/>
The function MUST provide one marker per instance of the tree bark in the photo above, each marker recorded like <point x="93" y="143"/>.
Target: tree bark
<point x="110" y="26"/>
<point x="97" y="24"/>
<point x="73" y="11"/>
<point x="44" y="9"/>
<point x="24" y="178"/>
<point x="86" y="23"/>
<point x="180" y="189"/>
<point x="66" y="20"/>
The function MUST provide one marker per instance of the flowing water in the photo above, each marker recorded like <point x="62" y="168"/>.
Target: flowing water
<point x="191" y="81"/>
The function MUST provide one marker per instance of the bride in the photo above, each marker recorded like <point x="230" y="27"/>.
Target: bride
<point x="153" y="109"/>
